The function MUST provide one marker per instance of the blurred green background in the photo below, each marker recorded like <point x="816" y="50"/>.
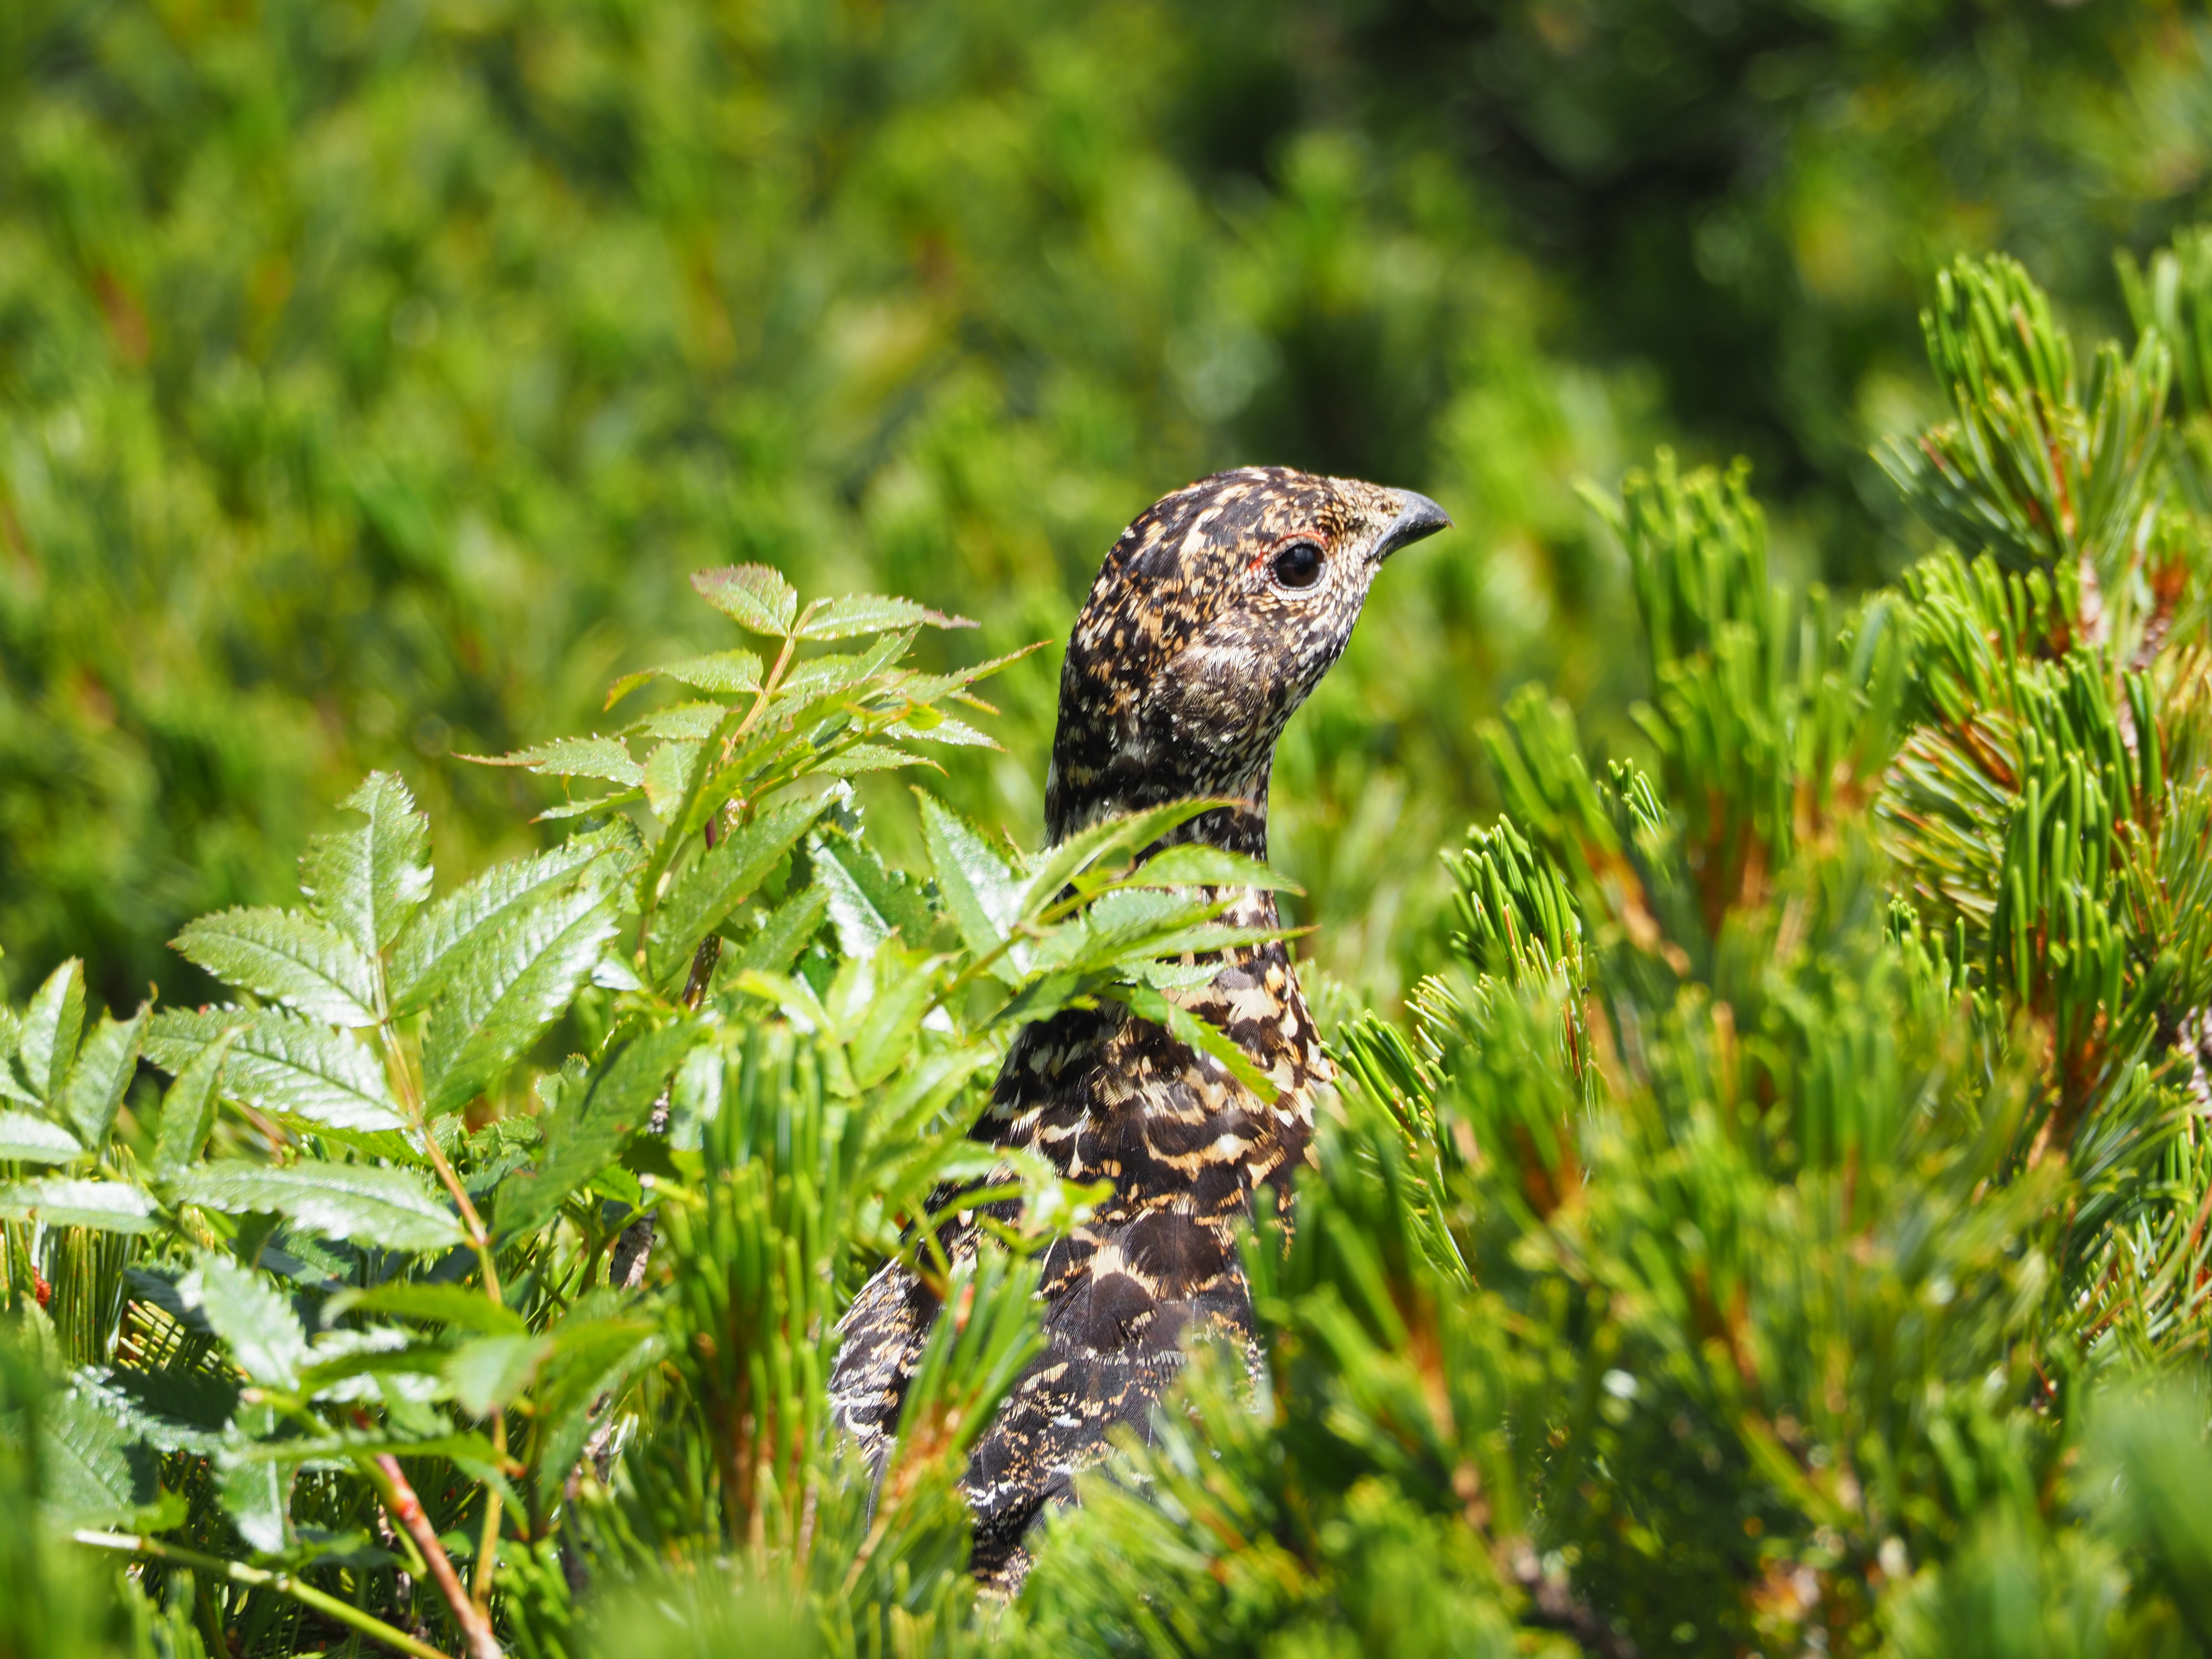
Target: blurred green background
<point x="371" y="374"/>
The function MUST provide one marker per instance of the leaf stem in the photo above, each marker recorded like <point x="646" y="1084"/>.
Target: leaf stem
<point x="390" y="1482"/>
<point x="256" y="1578"/>
<point x="480" y="1240"/>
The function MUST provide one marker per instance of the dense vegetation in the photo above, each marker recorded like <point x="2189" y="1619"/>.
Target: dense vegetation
<point x="371" y="375"/>
<point x="1774" y="1216"/>
<point x="1781" y="1224"/>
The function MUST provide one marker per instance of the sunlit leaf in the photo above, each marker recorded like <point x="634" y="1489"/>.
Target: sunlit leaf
<point x="872" y="613"/>
<point x="864" y="757"/>
<point x="104" y="1064"/>
<point x="95" y="1466"/>
<point x="514" y="981"/>
<point x="867" y="902"/>
<point x="1196" y="865"/>
<point x="752" y="595"/>
<point x="51" y="1027"/>
<point x="289" y="958"/>
<point x="450" y="930"/>
<point x="282" y="1063"/>
<point x="255" y="1491"/>
<point x="982" y="891"/>
<point x="1127" y="833"/>
<point x="113" y="1206"/>
<point x="723" y="673"/>
<point x="573" y="757"/>
<point x="667" y="776"/>
<point x="366" y="882"/>
<point x="687" y="722"/>
<point x="188" y="1110"/>
<point x="392" y="1209"/>
<point x="443" y="1304"/>
<point x="785" y="932"/>
<point x="491" y="1371"/>
<point x="946" y="730"/>
<point x="259" y="1331"/>
<point x="25" y="1139"/>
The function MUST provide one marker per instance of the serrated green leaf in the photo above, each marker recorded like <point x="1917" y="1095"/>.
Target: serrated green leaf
<point x="819" y="677"/>
<point x="983" y="892"/>
<point x="177" y="1409"/>
<point x="257" y="1325"/>
<point x="867" y="902"/>
<point x="443" y="1304"/>
<point x="285" y="1065"/>
<point x="52" y="1025"/>
<point x="1128" y="832"/>
<point x="1125" y="922"/>
<point x="188" y="1110"/>
<point x="752" y="595"/>
<point x="579" y="809"/>
<point x="366" y="882"/>
<point x="28" y="1139"/>
<point x="571" y="758"/>
<point x="872" y="613"/>
<point x="785" y="932"/>
<point x="587" y="1131"/>
<point x="946" y="730"/>
<point x="687" y="722"/>
<point x="255" y="1490"/>
<point x="105" y="1066"/>
<point x="12" y="1087"/>
<point x="725" y="876"/>
<point x="864" y="757"/>
<point x="512" y="985"/>
<point x="392" y="1209"/>
<point x="723" y="672"/>
<point x="286" y="957"/>
<point x="1193" y="864"/>
<point x="94" y="1464"/>
<point x="451" y="929"/>
<point x="883" y="1039"/>
<point x="113" y="1206"/>
<point x="667" y="776"/>
<point x="491" y="1371"/>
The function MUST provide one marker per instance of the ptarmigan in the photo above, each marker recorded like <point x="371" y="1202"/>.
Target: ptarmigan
<point x="1214" y="615"/>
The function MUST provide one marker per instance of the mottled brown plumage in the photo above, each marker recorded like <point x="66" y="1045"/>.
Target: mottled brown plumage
<point x="1213" y="618"/>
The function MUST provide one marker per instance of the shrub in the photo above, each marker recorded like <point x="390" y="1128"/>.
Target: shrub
<point x="1780" y="1225"/>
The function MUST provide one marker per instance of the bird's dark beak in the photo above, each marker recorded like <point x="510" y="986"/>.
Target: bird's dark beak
<point x="1419" y="518"/>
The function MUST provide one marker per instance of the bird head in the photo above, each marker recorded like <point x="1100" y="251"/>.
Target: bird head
<point x="1214" y="615"/>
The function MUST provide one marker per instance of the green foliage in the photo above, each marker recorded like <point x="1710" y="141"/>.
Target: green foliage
<point x="414" y="1298"/>
<point x="1776" y="1221"/>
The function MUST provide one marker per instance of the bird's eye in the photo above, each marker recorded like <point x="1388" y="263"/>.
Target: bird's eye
<point x="1299" y="565"/>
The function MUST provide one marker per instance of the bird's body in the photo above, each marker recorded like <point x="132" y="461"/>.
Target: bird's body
<point x="1214" y="615"/>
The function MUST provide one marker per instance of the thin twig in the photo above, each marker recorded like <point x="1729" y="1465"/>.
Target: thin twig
<point x="407" y="1509"/>
<point x="255" y="1578"/>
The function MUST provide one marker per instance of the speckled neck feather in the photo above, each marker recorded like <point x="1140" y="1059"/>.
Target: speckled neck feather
<point x="1189" y="656"/>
